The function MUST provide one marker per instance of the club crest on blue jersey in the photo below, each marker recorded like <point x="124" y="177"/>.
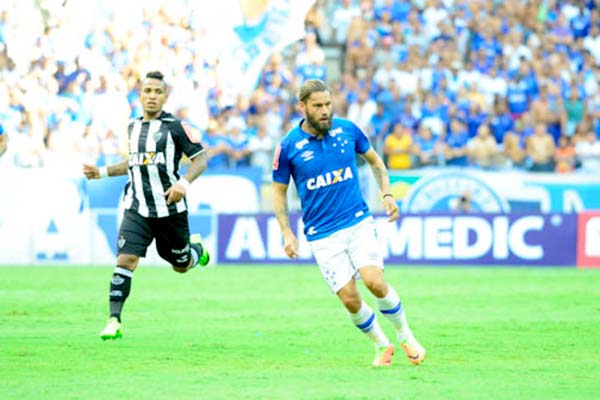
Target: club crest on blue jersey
<point x="330" y="178"/>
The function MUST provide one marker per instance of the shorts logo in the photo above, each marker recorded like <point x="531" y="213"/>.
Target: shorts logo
<point x="182" y="251"/>
<point x="121" y="242"/>
<point x="441" y="193"/>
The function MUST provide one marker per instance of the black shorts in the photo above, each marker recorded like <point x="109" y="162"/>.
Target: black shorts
<point x="172" y="236"/>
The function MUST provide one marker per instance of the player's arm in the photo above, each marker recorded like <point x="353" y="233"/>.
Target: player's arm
<point x="280" y="207"/>
<point x="93" y="172"/>
<point x="196" y="168"/>
<point x="383" y="181"/>
<point x="3" y="144"/>
<point x="188" y="140"/>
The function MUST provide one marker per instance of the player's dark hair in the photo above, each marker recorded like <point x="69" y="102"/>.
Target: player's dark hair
<point x="311" y="86"/>
<point x="155" y="75"/>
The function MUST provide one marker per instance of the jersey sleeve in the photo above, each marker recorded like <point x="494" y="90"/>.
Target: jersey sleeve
<point x="361" y="141"/>
<point x="281" y="166"/>
<point x="187" y="138"/>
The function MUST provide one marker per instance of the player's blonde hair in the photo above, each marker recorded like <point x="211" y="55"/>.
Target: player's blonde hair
<point x="311" y="86"/>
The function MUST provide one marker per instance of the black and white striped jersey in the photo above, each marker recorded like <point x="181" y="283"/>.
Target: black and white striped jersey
<point x="155" y="150"/>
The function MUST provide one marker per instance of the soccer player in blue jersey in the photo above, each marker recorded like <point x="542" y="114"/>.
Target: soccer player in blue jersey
<point x="320" y="155"/>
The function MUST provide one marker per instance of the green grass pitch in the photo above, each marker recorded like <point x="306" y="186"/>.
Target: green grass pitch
<point x="277" y="333"/>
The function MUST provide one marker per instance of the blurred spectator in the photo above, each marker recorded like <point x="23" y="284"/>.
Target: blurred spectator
<point x="362" y="110"/>
<point x="501" y="121"/>
<point x="427" y="150"/>
<point x="456" y="144"/>
<point x="548" y="109"/>
<point x="573" y="111"/>
<point x="239" y="142"/>
<point x="360" y="54"/>
<point x="110" y="148"/>
<point x="342" y="17"/>
<point x="314" y="20"/>
<point x="564" y="155"/>
<point x="482" y="149"/>
<point x="379" y="127"/>
<point x="540" y="150"/>
<point x="261" y="147"/>
<point x="588" y="152"/>
<point x="397" y="148"/>
<point x="217" y="145"/>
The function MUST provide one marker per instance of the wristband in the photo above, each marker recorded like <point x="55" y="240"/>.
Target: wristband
<point x="103" y="172"/>
<point x="388" y="194"/>
<point x="184" y="183"/>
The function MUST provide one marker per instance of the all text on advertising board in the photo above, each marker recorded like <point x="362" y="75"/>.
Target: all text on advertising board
<point x="476" y="239"/>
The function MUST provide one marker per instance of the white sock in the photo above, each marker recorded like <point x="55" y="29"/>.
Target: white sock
<point x="390" y="307"/>
<point x="366" y="321"/>
<point x="195" y="256"/>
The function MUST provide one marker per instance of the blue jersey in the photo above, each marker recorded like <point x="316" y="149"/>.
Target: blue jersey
<point x="326" y="176"/>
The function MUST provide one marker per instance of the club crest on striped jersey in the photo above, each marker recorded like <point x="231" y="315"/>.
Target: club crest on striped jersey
<point x="330" y="178"/>
<point x="147" y="158"/>
<point x="157" y="135"/>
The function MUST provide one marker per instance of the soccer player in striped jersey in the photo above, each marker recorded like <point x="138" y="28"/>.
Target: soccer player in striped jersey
<point x="154" y="199"/>
<point x="320" y="155"/>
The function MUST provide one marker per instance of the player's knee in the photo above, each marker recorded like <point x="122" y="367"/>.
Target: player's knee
<point x="377" y="286"/>
<point x="128" y="261"/>
<point x="352" y="303"/>
<point x="179" y="259"/>
<point x="180" y="269"/>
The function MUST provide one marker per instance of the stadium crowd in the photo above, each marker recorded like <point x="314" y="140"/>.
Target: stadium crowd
<point x="487" y="84"/>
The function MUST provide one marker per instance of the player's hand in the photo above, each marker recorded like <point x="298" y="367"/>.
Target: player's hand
<point x="174" y="193"/>
<point x="290" y="245"/>
<point x="91" y="171"/>
<point x="391" y="208"/>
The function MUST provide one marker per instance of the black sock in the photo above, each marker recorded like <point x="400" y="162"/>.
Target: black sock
<point x="120" y="285"/>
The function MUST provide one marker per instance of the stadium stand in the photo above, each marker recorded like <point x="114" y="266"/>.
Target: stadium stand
<point x="455" y="73"/>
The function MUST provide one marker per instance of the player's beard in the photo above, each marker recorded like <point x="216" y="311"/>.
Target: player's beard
<point x="319" y="125"/>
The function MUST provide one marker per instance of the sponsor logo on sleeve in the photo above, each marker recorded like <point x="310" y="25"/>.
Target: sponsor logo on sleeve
<point x="193" y="134"/>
